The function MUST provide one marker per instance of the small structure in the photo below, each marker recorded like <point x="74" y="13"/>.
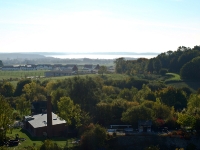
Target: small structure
<point x="144" y="126"/>
<point x="120" y="128"/>
<point x="45" y="124"/>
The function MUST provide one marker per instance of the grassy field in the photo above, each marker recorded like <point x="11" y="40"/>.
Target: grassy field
<point x="20" y="74"/>
<point x="30" y="141"/>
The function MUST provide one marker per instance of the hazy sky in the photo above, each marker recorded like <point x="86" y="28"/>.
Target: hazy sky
<point x="98" y="25"/>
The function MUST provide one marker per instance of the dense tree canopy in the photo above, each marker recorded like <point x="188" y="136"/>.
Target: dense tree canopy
<point x="191" y="70"/>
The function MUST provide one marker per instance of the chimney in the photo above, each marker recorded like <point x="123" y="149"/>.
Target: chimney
<point x="49" y="117"/>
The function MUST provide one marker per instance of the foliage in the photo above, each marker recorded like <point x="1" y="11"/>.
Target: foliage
<point x="173" y="97"/>
<point x="136" y="113"/>
<point x="85" y="92"/>
<point x="193" y="104"/>
<point x="56" y="95"/>
<point x="186" y="120"/>
<point x="6" y="117"/>
<point x="34" y="91"/>
<point x="1" y="63"/>
<point x="69" y="111"/>
<point x="93" y="138"/>
<point x="107" y="113"/>
<point x="144" y="94"/>
<point x="163" y="71"/>
<point x="128" y="94"/>
<point x="49" y="145"/>
<point x="7" y="89"/>
<point x="157" y="65"/>
<point x="160" y="111"/>
<point x="191" y="70"/>
<point x="20" y="86"/>
<point x="102" y="70"/>
<point x="23" y="106"/>
<point x="120" y="65"/>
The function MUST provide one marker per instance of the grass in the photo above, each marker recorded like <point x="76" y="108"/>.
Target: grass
<point x="173" y="77"/>
<point x="30" y="141"/>
<point x="12" y="75"/>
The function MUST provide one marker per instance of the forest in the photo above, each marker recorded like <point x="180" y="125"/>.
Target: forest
<point x="90" y="104"/>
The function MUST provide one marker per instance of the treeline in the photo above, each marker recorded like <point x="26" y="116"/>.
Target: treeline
<point x="52" y="60"/>
<point x="184" y="61"/>
<point x="85" y="102"/>
<point x="106" y="101"/>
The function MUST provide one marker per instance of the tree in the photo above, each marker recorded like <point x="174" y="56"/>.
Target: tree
<point x="136" y="113"/>
<point x="93" y="138"/>
<point x="6" y="117"/>
<point x="186" y="120"/>
<point x="102" y="70"/>
<point x="1" y="63"/>
<point x="160" y="111"/>
<point x="120" y="65"/>
<point x="49" y="145"/>
<point x="23" y="106"/>
<point x="34" y="91"/>
<point x="191" y="70"/>
<point x="20" y="86"/>
<point x="69" y="111"/>
<point x="149" y="66"/>
<point x="7" y="89"/>
<point x="173" y="97"/>
<point x="56" y="95"/>
<point x="157" y="65"/>
<point x="193" y="105"/>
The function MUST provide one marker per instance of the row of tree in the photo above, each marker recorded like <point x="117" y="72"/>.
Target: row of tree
<point x="184" y="61"/>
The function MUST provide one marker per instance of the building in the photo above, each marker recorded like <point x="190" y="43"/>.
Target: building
<point x="45" y="124"/>
<point x="144" y="126"/>
<point x="59" y="73"/>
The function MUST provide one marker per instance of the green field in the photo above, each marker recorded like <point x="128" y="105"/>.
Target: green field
<point x="30" y="141"/>
<point x="20" y="74"/>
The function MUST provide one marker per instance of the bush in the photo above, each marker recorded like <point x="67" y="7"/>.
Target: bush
<point x="93" y="138"/>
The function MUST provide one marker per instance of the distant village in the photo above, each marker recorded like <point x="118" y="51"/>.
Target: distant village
<point x="58" y="69"/>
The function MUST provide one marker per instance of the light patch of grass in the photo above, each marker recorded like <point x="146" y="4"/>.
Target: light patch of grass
<point x="173" y="77"/>
<point x="30" y="141"/>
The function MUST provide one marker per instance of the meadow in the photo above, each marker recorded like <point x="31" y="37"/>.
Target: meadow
<point x="36" y="142"/>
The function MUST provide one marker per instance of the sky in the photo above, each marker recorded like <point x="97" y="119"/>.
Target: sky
<point x="98" y="25"/>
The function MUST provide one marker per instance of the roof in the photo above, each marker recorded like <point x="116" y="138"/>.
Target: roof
<point x="60" y="71"/>
<point x="40" y="120"/>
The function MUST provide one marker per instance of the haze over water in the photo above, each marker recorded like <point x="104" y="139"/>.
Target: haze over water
<point x="98" y="56"/>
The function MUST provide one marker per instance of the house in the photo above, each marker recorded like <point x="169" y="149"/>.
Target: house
<point x="57" y="67"/>
<point x="44" y="67"/>
<point x="111" y="69"/>
<point x="45" y="124"/>
<point x="68" y="67"/>
<point x="144" y="126"/>
<point x="59" y="73"/>
<point x="89" y="68"/>
<point x="18" y="68"/>
<point x="11" y="68"/>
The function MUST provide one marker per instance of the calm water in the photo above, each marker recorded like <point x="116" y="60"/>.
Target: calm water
<point x="100" y="56"/>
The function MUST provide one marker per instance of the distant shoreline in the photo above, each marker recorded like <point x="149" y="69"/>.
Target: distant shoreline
<point x="64" y="55"/>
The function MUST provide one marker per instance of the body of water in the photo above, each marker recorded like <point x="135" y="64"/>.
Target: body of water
<point x="98" y="56"/>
